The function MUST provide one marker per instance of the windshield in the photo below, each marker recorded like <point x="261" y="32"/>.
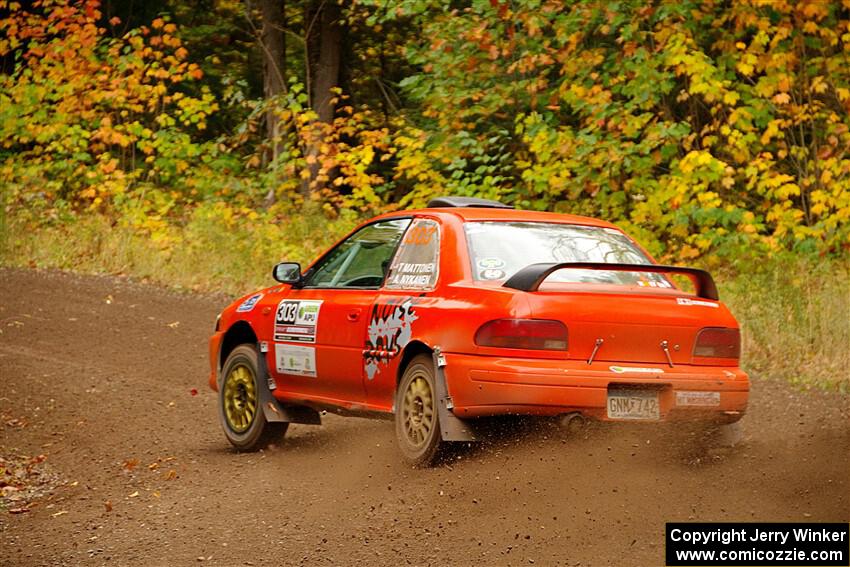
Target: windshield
<point x="500" y="249"/>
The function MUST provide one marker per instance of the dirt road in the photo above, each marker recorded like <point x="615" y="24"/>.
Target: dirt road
<point x="97" y="374"/>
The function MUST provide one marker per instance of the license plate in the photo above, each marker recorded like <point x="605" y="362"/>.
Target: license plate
<point x="633" y="404"/>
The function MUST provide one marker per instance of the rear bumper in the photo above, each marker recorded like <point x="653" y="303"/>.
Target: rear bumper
<point x="485" y="385"/>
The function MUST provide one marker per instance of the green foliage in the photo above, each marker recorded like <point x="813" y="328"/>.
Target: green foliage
<point x="706" y="126"/>
<point x="86" y="120"/>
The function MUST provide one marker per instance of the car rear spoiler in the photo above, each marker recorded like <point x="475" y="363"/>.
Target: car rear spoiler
<point x="530" y="277"/>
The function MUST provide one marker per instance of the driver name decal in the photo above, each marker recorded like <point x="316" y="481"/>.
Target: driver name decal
<point x="416" y="264"/>
<point x="297" y="320"/>
<point x="390" y="329"/>
<point x="411" y="276"/>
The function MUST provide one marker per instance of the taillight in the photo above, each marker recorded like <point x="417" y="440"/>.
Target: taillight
<point x="537" y="334"/>
<point x="718" y="343"/>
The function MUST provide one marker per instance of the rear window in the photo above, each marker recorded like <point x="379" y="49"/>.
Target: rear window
<point x="500" y="249"/>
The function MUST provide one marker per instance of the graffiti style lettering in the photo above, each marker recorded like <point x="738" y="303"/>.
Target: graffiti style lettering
<point x="390" y="329"/>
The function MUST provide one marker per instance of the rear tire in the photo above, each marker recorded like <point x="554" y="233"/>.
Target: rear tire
<point x="417" y="422"/>
<point x="239" y="408"/>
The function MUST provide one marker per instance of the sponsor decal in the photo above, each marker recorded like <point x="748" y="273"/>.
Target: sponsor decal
<point x="297" y="320"/>
<point x="653" y="283"/>
<point x="491" y="263"/>
<point x="635" y="370"/>
<point x="697" y="399"/>
<point x="293" y="359"/>
<point x="688" y="301"/>
<point x="390" y="329"/>
<point x="249" y="303"/>
<point x="492" y="274"/>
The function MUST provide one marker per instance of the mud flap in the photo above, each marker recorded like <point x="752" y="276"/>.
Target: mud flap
<point x="452" y="427"/>
<point x="273" y="410"/>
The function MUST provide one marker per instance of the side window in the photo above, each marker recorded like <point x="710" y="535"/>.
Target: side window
<point x="417" y="264"/>
<point x="361" y="260"/>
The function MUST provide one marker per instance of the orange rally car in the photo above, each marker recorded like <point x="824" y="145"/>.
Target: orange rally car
<point x="469" y="308"/>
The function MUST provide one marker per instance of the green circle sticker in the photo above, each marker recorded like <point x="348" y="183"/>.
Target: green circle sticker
<point x="491" y="263"/>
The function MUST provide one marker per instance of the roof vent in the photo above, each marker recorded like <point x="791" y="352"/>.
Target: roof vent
<point x="474" y="202"/>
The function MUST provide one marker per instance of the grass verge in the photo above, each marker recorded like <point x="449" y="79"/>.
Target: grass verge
<point x="210" y="251"/>
<point x="795" y="315"/>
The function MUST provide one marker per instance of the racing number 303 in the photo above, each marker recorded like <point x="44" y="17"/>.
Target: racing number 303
<point x="287" y="311"/>
<point x="420" y="234"/>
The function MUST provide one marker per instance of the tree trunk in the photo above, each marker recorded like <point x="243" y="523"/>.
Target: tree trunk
<point x="326" y="74"/>
<point x="324" y="40"/>
<point x="274" y="60"/>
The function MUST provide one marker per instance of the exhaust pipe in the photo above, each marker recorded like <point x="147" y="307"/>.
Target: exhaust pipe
<point x="572" y="423"/>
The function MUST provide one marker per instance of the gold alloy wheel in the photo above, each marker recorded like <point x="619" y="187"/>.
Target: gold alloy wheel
<point x="418" y="411"/>
<point x="240" y="398"/>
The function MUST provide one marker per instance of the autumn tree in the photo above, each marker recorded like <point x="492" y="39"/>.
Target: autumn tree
<point x="696" y="124"/>
<point x="703" y="127"/>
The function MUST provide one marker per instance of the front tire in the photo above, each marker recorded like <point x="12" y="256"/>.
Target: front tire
<point x="417" y="421"/>
<point x="239" y="406"/>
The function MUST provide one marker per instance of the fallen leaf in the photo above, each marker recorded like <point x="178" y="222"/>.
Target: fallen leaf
<point x="171" y="475"/>
<point x="174" y="325"/>
<point x="108" y="505"/>
<point x="130" y="464"/>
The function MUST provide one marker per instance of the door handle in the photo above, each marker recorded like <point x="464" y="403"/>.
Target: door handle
<point x="354" y="315"/>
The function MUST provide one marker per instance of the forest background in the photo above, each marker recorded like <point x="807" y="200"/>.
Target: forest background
<point x="195" y="143"/>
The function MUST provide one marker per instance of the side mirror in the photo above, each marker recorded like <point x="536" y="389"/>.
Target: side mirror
<point x="287" y="272"/>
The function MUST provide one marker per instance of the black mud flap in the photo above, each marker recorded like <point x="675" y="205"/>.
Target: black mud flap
<point x="273" y="409"/>
<point x="451" y="426"/>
